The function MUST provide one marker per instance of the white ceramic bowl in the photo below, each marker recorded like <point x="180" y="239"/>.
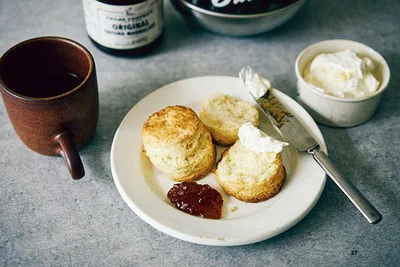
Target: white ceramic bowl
<point x="332" y="110"/>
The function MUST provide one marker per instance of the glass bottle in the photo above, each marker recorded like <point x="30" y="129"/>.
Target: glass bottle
<point x="124" y="27"/>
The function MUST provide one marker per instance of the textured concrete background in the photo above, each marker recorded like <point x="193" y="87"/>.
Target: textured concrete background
<point x="47" y="219"/>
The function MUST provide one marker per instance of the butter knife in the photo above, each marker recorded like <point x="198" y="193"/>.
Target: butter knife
<point x="262" y="92"/>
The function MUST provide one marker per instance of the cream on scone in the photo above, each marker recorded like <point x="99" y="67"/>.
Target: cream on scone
<point x="252" y="169"/>
<point x="223" y="115"/>
<point x="178" y="144"/>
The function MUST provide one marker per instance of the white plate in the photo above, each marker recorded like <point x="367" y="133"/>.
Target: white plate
<point x="144" y="188"/>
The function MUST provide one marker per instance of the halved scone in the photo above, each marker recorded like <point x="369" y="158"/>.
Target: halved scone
<point x="223" y="115"/>
<point x="250" y="176"/>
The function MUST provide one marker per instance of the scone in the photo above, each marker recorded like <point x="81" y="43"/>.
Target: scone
<point x="250" y="176"/>
<point x="178" y="144"/>
<point x="223" y="115"/>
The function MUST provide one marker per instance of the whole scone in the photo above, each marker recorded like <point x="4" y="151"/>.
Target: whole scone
<point x="178" y="144"/>
<point x="250" y="176"/>
<point x="223" y="115"/>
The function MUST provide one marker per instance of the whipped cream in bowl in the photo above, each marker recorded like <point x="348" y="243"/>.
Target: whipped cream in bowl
<point x="340" y="82"/>
<point x="342" y="74"/>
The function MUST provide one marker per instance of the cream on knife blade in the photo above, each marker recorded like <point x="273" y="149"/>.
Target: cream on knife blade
<point x="262" y="92"/>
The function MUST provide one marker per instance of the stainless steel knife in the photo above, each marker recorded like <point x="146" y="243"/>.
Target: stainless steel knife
<point x="291" y="129"/>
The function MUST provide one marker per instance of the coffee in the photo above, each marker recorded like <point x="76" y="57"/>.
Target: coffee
<point x="50" y="84"/>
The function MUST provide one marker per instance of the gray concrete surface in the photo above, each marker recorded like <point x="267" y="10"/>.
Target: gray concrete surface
<point x="47" y="219"/>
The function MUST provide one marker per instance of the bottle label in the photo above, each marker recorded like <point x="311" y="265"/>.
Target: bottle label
<point x="123" y="27"/>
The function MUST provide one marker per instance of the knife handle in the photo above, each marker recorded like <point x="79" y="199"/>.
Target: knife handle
<point x="355" y="196"/>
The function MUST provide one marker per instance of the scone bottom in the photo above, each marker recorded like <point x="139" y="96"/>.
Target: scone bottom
<point x="247" y="187"/>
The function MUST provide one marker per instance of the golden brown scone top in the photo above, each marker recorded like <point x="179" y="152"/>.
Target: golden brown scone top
<point x="171" y="125"/>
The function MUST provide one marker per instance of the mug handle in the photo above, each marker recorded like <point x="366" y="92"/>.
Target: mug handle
<point x="70" y="155"/>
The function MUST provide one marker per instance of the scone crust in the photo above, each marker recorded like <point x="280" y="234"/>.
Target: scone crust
<point x="178" y="144"/>
<point x="204" y="170"/>
<point x="172" y="124"/>
<point x="251" y="189"/>
<point x="261" y="193"/>
<point x="223" y="115"/>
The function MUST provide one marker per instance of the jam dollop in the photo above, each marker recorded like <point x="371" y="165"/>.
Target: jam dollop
<point x="196" y="199"/>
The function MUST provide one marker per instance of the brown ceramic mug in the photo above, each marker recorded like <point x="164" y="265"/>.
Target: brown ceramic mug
<point x="49" y="89"/>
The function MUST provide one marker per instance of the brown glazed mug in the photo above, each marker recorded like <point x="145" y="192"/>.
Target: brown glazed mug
<point x="49" y="89"/>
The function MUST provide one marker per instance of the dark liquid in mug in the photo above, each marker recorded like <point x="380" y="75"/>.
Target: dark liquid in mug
<point x="50" y="84"/>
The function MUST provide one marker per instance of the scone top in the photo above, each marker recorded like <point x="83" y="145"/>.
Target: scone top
<point x="172" y="124"/>
<point x="224" y="114"/>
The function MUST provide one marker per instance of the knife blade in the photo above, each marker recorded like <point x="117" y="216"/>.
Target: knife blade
<point x="296" y="134"/>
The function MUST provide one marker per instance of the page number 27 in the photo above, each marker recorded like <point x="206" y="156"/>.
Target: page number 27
<point x="354" y="252"/>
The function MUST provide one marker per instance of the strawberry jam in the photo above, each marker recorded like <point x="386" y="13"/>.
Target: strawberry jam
<point x="196" y="199"/>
